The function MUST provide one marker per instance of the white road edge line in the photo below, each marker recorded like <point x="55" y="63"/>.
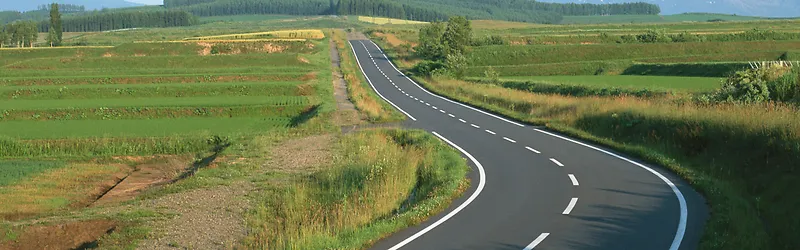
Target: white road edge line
<point x="570" y="206"/>
<point x="681" y="231"/>
<point x="490" y="132"/>
<point x="556" y="162"/>
<point x="481" y="184"/>
<point x="536" y="241"/>
<point x="370" y="82"/>
<point x="574" y="180"/>
<point x="533" y="150"/>
<point x="451" y="101"/>
<point x="509" y="139"/>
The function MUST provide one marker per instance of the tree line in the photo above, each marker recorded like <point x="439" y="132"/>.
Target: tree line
<point x="102" y="21"/>
<point x="427" y="10"/>
<point x="19" y="34"/>
<point x="41" y="13"/>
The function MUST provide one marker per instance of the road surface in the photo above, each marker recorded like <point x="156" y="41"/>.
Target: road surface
<point x="532" y="188"/>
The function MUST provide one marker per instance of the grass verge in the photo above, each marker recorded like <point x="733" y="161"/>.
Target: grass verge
<point x="383" y="181"/>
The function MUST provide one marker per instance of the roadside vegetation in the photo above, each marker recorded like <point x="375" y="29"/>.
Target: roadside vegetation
<point x="732" y="133"/>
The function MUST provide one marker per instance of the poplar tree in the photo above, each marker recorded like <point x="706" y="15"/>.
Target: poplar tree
<point x="56" y="30"/>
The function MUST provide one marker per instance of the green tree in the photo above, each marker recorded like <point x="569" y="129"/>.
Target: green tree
<point x="456" y="65"/>
<point x="430" y="42"/>
<point x="457" y="35"/>
<point x="55" y="35"/>
<point x="4" y="37"/>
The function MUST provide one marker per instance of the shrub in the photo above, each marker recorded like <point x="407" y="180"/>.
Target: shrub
<point x="457" y="64"/>
<point x="492" y="74"/>
<point x="785" y="88"/>
<point x="754" y="85"/>
<point x="654" y="36"/>
<point x="426" y="68"/>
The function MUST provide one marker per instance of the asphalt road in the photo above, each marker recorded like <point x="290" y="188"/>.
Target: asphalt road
<point x="535" y="189"/>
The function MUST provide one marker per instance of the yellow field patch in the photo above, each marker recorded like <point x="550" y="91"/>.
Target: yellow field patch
<point x="383" y="20"/>
<point x="280" y="34"/>
<point x="230" y="41"/>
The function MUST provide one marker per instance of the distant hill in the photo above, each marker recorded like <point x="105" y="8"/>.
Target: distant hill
<point x="763" y="8"/>
<point x="26" y="5"/>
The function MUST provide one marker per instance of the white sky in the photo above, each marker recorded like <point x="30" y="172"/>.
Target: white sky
<point x="147" y="1"/>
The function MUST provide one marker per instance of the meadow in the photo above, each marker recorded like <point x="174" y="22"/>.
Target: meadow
<point x="664" y="83"/>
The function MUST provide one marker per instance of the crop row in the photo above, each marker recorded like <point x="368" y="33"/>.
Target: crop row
<point x="157" y="90"/>
<point x="612" y="67"/>
<point x="309" y="34"/>
<point x="139" y="127"/>
<point x="151" y="79"/>
<point x="146" y="62"/>
<point x="121" y="113"/>
<point x="215" y="101"/>
<point x="519" y="55"/>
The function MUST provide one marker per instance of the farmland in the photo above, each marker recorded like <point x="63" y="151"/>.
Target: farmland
<point x="689" y="84"/>
<point x="229" y="113"/>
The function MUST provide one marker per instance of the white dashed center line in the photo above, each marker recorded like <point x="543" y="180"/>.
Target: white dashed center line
<point x="451" y="115"/>
<point x="462" y="120"/>
<point x="475" y="126"/>
<point x="533" y="150"/>
<point x="570" y="206"/>
<point x="509" y="139"/>
<point x="556" y="162"/>
<point x="536" y="241"/>
<point x="490" y="132"/>
<point x="573" y="179"/>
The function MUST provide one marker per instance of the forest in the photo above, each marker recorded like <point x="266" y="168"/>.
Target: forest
<point x="102" y="21"/>
<point x="429" y="10"/>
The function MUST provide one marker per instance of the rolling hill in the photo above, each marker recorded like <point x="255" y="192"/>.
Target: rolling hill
<point x="90" y="4"/>
<point x="764" y="8"/>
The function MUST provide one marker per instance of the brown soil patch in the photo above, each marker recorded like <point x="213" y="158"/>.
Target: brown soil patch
<point x="62" y="236"/>
<point x="145" y="176"/>
<point x="302" y="155"/>
<point x="108" y="54"/>
<point x="206" y="49"/>
<point x="139" y="55"/>
<point x="303" y="59"/>
<point x="271" y="48"/>
<point x="208" y="219"/>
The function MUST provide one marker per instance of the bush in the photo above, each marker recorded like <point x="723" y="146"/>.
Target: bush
<point x="492" y="74"/>
<point x="785" y="88"/>
<point x="457" y="64"/>
<point x="488" y="40"/>
<point x="426" y="68"/>
<point x="654" y="36"/>
<point x="754" y="85"/>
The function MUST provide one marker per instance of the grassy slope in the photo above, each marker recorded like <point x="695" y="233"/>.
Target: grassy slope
<point x="664" y="83"/>
<point x="355" y="202"/>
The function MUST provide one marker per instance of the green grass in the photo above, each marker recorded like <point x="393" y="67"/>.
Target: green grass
<point x="139" y="127"/>
<point x="128" y="113"/>
<point x="533" y="54"/>
<point x="148" y="62"/>
<point x="653" y="18"/>
<point x="215" y="101"/>
<point x="667" y="83"/>
<point x="154" y="76"/>
<point x="155" y="90"/>
<point x="13" y="171"/>
<point x="364" y="196"/>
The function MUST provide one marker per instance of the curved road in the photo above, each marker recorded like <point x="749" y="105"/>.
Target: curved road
<point x="534" y="189"/>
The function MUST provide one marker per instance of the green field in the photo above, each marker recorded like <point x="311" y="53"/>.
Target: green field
<point x="654" y="18"/>
<point x="167" y="90"/>
<point x="689" y="84"/>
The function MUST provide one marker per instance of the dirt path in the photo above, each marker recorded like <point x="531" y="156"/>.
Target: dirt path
<point x="206" y="219"/>
<point x="346" y="111"/>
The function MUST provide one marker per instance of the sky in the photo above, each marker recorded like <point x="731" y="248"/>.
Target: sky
<point x="147" y="1"/>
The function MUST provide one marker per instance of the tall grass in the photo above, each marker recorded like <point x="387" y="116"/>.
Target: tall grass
<point x="359" y="92"/>
<point x="742" y="158"/>
<point x="381" y="181"/>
